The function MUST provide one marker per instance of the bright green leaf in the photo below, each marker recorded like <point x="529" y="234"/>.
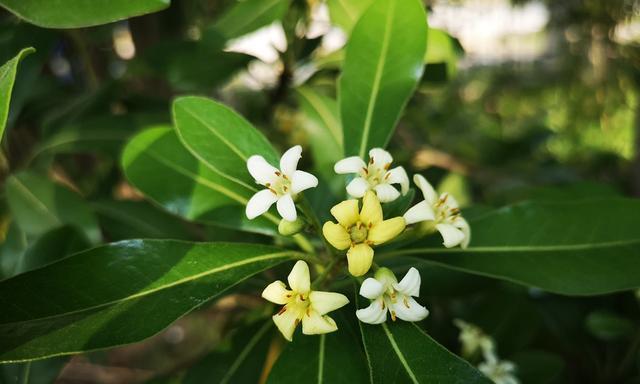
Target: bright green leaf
<point x="345" y="13"/>
<point x="7" y="78"/>
<point x="248" y="15"/>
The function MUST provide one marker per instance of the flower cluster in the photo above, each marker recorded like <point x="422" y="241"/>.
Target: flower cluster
<point x="360" y="226"/>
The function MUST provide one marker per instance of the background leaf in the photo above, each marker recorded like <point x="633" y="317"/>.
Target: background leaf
<point x="248" y="15"/>
<point x="7" y="77"/>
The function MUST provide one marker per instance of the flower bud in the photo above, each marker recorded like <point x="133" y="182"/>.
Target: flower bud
<point x="289" y="228"/>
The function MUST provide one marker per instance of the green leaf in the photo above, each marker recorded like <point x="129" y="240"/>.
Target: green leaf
<point x="608" y="326"/>
<point x="194" y="192"/>
<point x="402" y="352"/>
<point x="52" y="246"/>
<point x="33" y="372"/>
<point x="383" y="63"/>
<point x="441" y="49"/>
<point x="119" y="293"/>
<point x="80" y="13"/>
<point x="538" y="367"/>
<point x="12" y="250"/>
<point x="39" y="205"/>
<point x="7" y="78"/>
<point x="552" y="246"/>
<point x="249" y="15"/>
<point x="345" y="13"/>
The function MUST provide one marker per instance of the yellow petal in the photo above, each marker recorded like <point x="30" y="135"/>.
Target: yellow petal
<point x="336" y="235"/>
<point x="371" y="210"/>
<point x="346" y="212"/>
<point x="386" y="230"/>
<point x="277" y="293"/>
<point x="299" y="279"/>
<point x="287" y="321"/>
<point x="359" y="258"/>
<point x="325" y="302"/>
<point x="314" y="324"/>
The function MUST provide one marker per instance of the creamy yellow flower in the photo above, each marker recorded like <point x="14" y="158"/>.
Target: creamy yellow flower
<point x="301" y="304"/>
<point x="359" y="231"/>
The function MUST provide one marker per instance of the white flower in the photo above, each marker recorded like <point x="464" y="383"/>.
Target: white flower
<point x="303" y="304"/>
<point x="375" y="175"/>
<point x="473" y="339"/>
<point x="499" y="371"/>
<point x="443" y="212"/>
<point x="282" y="184"/>
<point x="387" y="295"/>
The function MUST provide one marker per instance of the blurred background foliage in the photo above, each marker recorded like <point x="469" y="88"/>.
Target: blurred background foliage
<point x="519" y="100"/>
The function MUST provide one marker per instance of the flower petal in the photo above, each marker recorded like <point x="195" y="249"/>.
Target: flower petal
<point x="277" y="293"/>
<point x="315" y="324"/>
<point x="386" y="230"/>
<point x="346" y="212"/>
<point x="371" y="212"/>
<point x="302" y="180"/>
<point x="287" y="208"/>
<point x="375" y="313"/>
<point x="287" y="321"/>
<point x="325" y="302"/>
<point x="263" y="172"/>
<point x="289" y="161"/>
<point x="451" y="235"/>
<point x="410" y="283"/>
<point x="336" y="235"/>
<point x="386" y="193"/>
<point x="380" y="157"/>
<point x="352" y="164"/>
<point x="462" y="225"/>
<point x="451" y="201"/>
<point x="423" y="211"/>
<point x="398" y="176"/>
<point x="407" y="309"/>
<point x="359" y="258"/>
<point x="260" y="203"/>
<point x="427" y="190"/>
<point x="371" y="288"/>
<point x="299" y="279"/>
<point x="357" y="187"/>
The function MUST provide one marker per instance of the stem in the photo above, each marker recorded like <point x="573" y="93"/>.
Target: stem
<point x="629" y="356"/>
<point x="325" y="273"/>
<point x="26" y="371"/>
<point x="303" y="243"/>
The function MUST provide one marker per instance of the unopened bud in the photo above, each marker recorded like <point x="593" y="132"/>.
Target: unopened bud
<point x="289" y="228"/>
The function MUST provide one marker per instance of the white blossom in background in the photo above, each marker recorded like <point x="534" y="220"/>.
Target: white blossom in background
<point x="443" y="211"/>
<point x="301" y="304"/>
<point x="387" y="295"/>
<point x="282" y="185"/>
<point x="376" y="175"/>
<point x="473" y="339"/>
<point x="499" y="371"/>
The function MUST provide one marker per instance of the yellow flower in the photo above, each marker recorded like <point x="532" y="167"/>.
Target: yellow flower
<point x="303" y="304"/>
<point x="358" y="231"/>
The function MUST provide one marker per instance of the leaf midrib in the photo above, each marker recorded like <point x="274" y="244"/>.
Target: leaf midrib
<point x="39" y="204"/>
<point x="399" y="353"/>
<point x="245" y="351"/>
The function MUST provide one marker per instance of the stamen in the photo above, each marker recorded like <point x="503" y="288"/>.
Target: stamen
<point x="393" y="315"/>
<point x="371" y="160"/>
<point x="278" y="173"/>
<point x="383" y="305"/>
<point x="302" y="297"/>
<point x="387" y="166"/>
<point x="406" y="302"/>
<point x="297" y="322"/>
<point x="285" y="177"/>
<point x="387" y="175"/>
<point x="282" y="310"/>
<point x="366" y="170"/>
<point x="285" y="188"/>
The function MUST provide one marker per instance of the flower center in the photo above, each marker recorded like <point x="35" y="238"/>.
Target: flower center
<point x="374" y="174"/>
<point x="445" y="213"/>
<point x="358" y="232"/>
<point x="281" y="186"/>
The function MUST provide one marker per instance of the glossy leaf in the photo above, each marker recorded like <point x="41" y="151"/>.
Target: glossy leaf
<point x="345" y="13"/>
<point x="7" y="77"/>
<point x="119" y="293"/>
<point x="39" y="205"/>
<point x="249" y="15"/>
<point x="52" y="246"/>
<point x="553" y="246"/>
<point x="383" y="63"/>
<point x="80" y="13"/>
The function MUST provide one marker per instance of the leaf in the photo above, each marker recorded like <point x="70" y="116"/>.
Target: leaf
<point x="249" y="15"/>
<point x="401" y="352"/>
<point x="383" y="63"/>
<point x="441" y="49"/>
<point x="80" y="13"/>
<point x="33" y="372"/>
<point x="345" y="13"/>
<point x="119" y="293"/>
<point x="52" y="246"/>
<point x="12" y="250"/>
<point x="552" y="246"/>
<point x="39" y="205"/>
<point x="538" y="367"/>
<point x="7" y="78"/>
<point x="608" y="326"/>
<point x="194" y="192"/>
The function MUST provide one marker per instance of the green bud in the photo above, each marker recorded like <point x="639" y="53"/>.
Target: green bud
<point x="289" y="228"/>
<point x="385" y="276"/>
<point x="427" y="227"/>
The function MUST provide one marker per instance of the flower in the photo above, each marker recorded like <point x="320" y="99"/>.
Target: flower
<point x="473" y="339"/>
<point x="499" y="371"/>
<point x="442" y="213"/>
<point x="282" y="184"/>
<point x="374" y="176"/>
<point x="302" y="304"/>
<point x="386" y="294"/>
<point x="358" y="231"/>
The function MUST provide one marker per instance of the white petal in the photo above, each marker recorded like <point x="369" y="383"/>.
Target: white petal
<point x="375" y="313"/>
<point x="419" y="212"/>
<point x="398" y="176"/>
<point x="371" y="288"/>
<point x="287" y="321"/>
<point x="299" y="279"/>
<point x="260" y="203"/>
<point x="427" y="190"/>
<point x="302" y="180"/>
<point x="410" y="283"/>
<point x="286" y="208"/>
<point x="451" y="201"/>
<point x="357" y="187"/>
<point x="451" y="235"/>
<point x="462" y="224"/>
<point x="289" y="161"/>
<point x="352" y="164"/>
<point x="325" y="302"/>
<point x="314" y="324"/>
<point x="407" y="309"/>
<point x="380" y="157"/>
<point x="277" y="293"/>
<point x="263" y="172"/>
<point x="386" y="193"/>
